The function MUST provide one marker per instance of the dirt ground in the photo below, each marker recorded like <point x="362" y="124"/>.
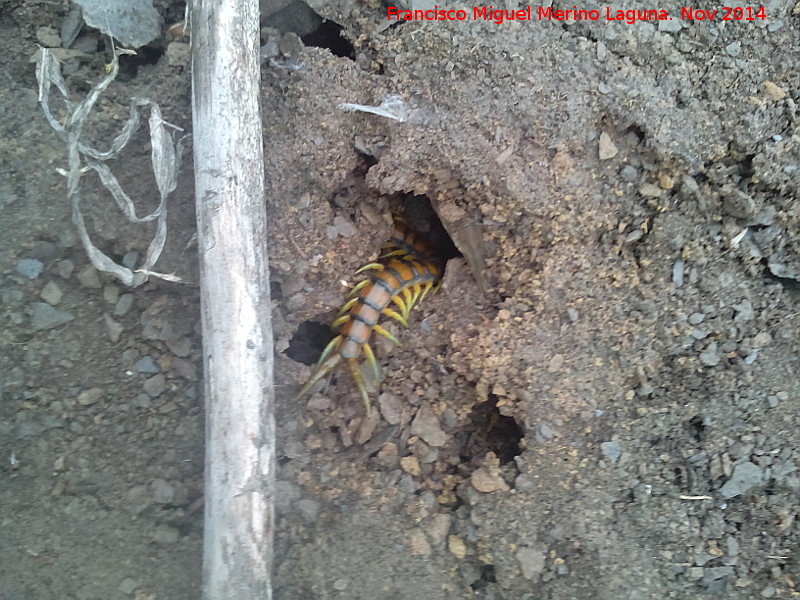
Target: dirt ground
<point x="601" y="402"/>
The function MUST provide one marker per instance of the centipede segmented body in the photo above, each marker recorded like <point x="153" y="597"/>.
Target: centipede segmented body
<point x="400" y="278"/>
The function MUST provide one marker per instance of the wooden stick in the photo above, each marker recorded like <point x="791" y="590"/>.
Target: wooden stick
<point x="234" y="277"/>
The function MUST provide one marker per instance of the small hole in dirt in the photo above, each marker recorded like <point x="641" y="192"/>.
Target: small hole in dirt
<point x="697" y="427"/>
<point x="308" y="342"/>
<point x="422" y="218"/>
<point x="329" y="35"/>
<point x="129" y="63"/>
<point x="487" y="576"/>
<point x="489" y="431"/>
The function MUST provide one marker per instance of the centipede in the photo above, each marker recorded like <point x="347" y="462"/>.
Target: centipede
<point x="399" y="279"/>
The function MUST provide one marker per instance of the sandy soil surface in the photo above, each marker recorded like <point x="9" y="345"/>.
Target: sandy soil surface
<point x="601" y="402"/>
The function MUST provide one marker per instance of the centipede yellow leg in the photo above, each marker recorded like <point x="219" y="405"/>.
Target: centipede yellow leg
<point x="370" y="356"/>
<point x="369" y="267"/>
<point x="361" y="383"/>
<point x="396" y="316"/>
<point x="321" y="370"/>
<point x="380" y="330"/>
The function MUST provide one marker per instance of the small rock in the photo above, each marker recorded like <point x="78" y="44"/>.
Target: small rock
<point x="745" y="476"/>
<point x="341" y="584"/>
<point x="30" y="267"/>
<point x="486" y="480"/>
<point x="438" y="528"/>
<point x="410" y="464"/>
<point x="677" y="272"/>
<point x="146" y="365"/>
<point x="90" y="396"/>
<point x="155" y="386"/>
<point x="178" y="54"/>
<point x="344" y="227"/>
<point x="532" y="561"/>
<point x="650" y="190"/>
<point x="89" y="277"/>
<point x="710" y="356"/>
<point x="181" y="346"/>
<point x="65" y="268"/>
<point x="391" y="407"/>
<point x="110" y="293"/>
<point x="162" y="491"/>
<point x="426" y="425"/>
<point x="114" y="328"/>
<point x="629" y="173"/>
<point x="607" y="148"/>
<point x="456" y="546"/>
<point x="733" y="49"/>
<point x="129" y="260"/>
<point x="123" y="305"/>
<point x="418" y="544"/>
<point x="128" y="586"/>
<point x="44" y="316"/>
<point x="669" y="26"/>
<point x="696" y="318"/>
<point x="51" y="293"/>
<point x="611" y="450"/>
<point x="761" y="339"/>
<point x="773" y="91"/>
<point x="48" y="37"/>
<point x="309" y="509"/>
<point x="164" y="534"/>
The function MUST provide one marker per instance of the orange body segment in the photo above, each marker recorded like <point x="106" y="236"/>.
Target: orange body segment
<point x="403" y="275"/>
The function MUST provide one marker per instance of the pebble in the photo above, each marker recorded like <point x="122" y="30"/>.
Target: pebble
<point x="146" y="365"/>
<point x="532" y="561"/>
<point x="650" y="190"/>
<point x="677" y="272"/>
<point x="344" y="227"/>
<point x="669" y="26"/>
<point x="44" y="316"/>
<point x="89" y="277"/>
<point x="773" y="91"/>
<point x="410" y="464"/>
<point x="111" y="293"/>
<point x="65" y="268"/>
<point x="51" y="293"/>
<point x="114" y="328"/>
<point x="48" y="37"/>
<point x="129" y="260"/>
<point x="309" y="509"/>
<point x="745" y="476"/>
<point x="710" y="356"/>
<point x="484" y="481"/>
<point x="155" y="386"/>
<point x="123" y="305"/>
<point x="611" y="450"/>
<point x="162" y="491"/>
<point x="418" y="544"/>
<point x="341" y="584"/>
<point x="607" y="147"/>
<point x="128" y="586"/>
<point x="733" y="49"/>
<point x="456" y="546"/>
<point x="426" y="425"/>
<point x="629" y="173"/>
<point x="30" y="267"/>
<point x="164" y="534"/>
<point x="90" y="396"/>
<point x="696" y="318"/>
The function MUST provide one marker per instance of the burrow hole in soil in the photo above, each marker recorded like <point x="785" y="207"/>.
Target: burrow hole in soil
<point x="312" y="336"/>
<point x="490" y="431"/>
<point x="329" y="35"/>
